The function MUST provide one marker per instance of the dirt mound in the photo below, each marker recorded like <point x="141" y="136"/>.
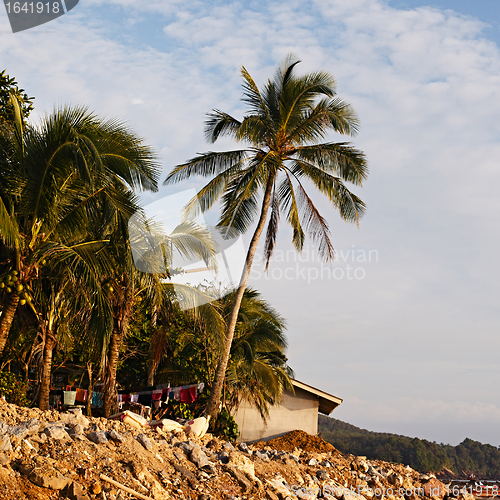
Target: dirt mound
<point x="298" y="439"/>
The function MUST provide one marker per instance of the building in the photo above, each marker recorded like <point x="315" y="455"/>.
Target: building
<point x="298" y="410"/>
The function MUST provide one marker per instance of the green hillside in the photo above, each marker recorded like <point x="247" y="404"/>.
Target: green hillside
<point x="468" y="457"/>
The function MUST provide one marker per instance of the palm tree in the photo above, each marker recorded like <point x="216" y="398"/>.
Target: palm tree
<point x="69" y="180"/>
<point x="258" y="371"/>
<point x="286" y="120"/>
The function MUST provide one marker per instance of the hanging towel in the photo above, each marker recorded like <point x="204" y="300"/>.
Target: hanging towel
<point x="97" y="399"/>
<point x="188" y="395"/>
<point x="134" y="398"/>
<point x="81" y="395"/>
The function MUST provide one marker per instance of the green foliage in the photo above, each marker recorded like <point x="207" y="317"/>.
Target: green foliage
<point x="468" y="457"/>
<point x="225" y="426"/>
<point x="9" y="85"/>
<point x="176" y="409"/>
<point x="13" y="389"/>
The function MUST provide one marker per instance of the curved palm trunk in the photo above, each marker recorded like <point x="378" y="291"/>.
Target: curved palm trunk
<point x="6" y="319"/>
<point x="212" y="408"/>
<point x="43" y="397"/>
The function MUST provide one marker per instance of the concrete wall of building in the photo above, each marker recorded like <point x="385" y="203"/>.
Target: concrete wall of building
<point x="297" y="411"/>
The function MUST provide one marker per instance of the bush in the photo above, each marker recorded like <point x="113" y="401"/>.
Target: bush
<point x="13" y="388"/>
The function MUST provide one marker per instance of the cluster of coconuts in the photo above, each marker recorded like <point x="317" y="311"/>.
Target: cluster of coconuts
<point x="108" y="287"/>
<point x="10" y="284"/>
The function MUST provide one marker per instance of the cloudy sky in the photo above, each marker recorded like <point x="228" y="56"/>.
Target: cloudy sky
<point x="404" y="327"/>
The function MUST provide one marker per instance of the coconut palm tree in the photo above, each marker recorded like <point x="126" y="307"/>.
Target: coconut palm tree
<point x="69" y="179"/>
<point x="282" y="155"/>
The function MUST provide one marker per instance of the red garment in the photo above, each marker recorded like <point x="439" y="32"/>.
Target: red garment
<point x="188" y="395"/>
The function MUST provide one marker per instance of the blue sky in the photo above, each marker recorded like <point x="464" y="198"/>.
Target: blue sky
<point x="410" y="342"/>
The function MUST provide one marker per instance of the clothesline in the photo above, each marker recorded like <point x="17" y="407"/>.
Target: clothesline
<point x="163" y="392"/>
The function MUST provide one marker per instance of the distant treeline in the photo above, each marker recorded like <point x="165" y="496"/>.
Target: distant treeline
<point x="469" y="457"/>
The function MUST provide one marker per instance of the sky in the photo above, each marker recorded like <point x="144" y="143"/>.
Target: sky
<point x="405" y="326"/>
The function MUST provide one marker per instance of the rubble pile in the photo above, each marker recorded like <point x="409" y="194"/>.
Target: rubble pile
<point x="52" y="455"/>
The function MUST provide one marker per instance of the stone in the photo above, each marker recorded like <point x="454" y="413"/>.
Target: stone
<point x="311" y="462"/>
<point x="25" y="429"/>
<point x="435" y="488"/>
<point x="116" y="437"/>
<point x="325" y="463"/>
<point x="245" y="484"/>
<point x="5" y="444"/>
<point x="55" y="432"/>
<point x="75" y="491"/>
<point x="3" y="427"/>
<point x="48" y="478"/>
<point x="186" y="446"/>
<point x="76" y="431"/>
<point x="244" y="448"/>
<point x="98" y="437"/>
<point x="145" y="441"/>
<point x="262" y="455"/>
<point x="198" y="457"/>
<point x="185" y="472"/>
<point x="271" y="496"/>
<point x="223" y="457"/>
<point x="73" y="419"/>
<point x="228" y="446"/>
<point x="322" y="475"/>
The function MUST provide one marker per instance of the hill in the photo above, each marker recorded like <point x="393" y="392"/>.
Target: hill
<point x="469" y="457"/>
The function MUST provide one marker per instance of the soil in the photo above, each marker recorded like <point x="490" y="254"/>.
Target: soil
<point x="300" y="440"/>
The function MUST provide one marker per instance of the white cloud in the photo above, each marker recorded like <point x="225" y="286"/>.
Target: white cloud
<point x="425" y="85"/>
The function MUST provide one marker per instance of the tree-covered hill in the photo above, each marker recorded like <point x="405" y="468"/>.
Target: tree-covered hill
<point x="469" y="457"/>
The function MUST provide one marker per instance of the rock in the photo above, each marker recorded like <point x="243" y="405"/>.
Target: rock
<point x="98" y="437"/>
<point x="245" y="484"/>
<point x="244" y="448"/>
<point x="73" y="419"/>
<point x="76" y="431"/>
<point x="46" y="476"/>
<point x="435" y="488"/>
<point x="322" y="475"/>
<point x="55" y="432"/>
<point x="75" y="491"/>
<point x="311" y="461"/>
<point x="3" y="427"/>
<point x="351" y="495"/>
<point x="145" y="441"/>
<point x="186" y="446"/>
<point x="5" y="444"/>
<point x="243" y="463"/>
<point x="325" y="463"/>
<point x="228" y="446"/>
<point x="262" y="455"/>
<point x="223" y="457"/>
<point x="294" y="457"/>
<point x="116" y="437"/>
<point x="271" y="496"/>
<point x="25" y="429"/>
<point x="198" y="457"/>
<point x="185" y="472"/>
<point x="4" y="459"/>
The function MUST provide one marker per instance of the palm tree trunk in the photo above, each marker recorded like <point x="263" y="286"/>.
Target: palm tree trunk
<point x="212" y="408"/>
<point x="90" y="389"/>
<point x="43" y="397"/>
<point x="6" y="319"/>
<point x="110" y="399"/>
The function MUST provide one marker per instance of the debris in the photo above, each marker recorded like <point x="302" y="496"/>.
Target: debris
<point x="124" y="488"/>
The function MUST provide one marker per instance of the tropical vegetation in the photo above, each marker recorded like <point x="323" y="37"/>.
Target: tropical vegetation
<point x="469" y="457"/>
<point x="70" y="289"/>
<point x="270" y="175"/>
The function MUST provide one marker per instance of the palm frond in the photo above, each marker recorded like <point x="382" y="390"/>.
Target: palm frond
<point x="339" y="158"/>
